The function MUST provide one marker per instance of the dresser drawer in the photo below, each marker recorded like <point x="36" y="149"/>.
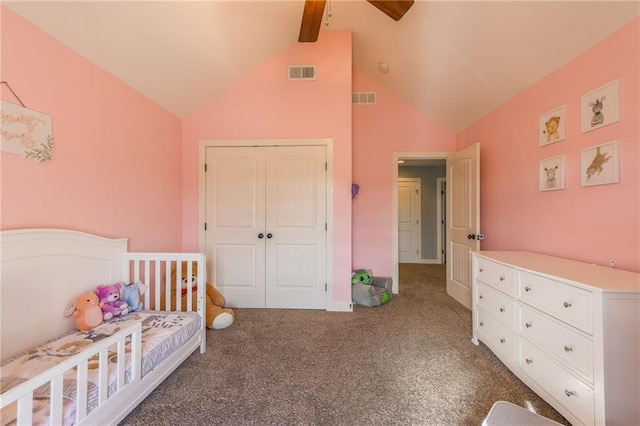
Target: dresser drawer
<point x="567" y="303"/>
<point x="569" y="391"/>
<point x="498" y="304"/>
<point x="498" y="276"/>
<point x="559" y="340"/>
<point x="497" y="337"/>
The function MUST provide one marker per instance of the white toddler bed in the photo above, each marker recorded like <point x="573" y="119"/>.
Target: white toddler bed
<point x="98" y="377"/>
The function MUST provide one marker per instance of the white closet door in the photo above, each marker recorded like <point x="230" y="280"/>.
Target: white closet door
<point x="266" y="219"/>
<point x="296" y="220"/>
<point x="235" y="218"/>
<point x="409" y="217"/>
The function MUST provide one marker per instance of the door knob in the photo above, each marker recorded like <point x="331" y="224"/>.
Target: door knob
<point x="480" y="237"/>
<point x="269" y="235"/>
<point x="471" y="236"/>
<point x="261" y="235"/>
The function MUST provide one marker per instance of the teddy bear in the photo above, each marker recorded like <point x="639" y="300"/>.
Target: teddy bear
<point x="216" y="316"/>
<point x="109" y="295"/>
<point x="86" y="311"/>
<point x="131" y="294"/>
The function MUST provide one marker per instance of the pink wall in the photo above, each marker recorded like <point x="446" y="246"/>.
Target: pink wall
<point x="265" y="105"/>
<point x="378" y="131"/>
<point x="117" y="164"/>
<point x="592" y="224"/>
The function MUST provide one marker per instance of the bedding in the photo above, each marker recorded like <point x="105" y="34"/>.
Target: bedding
<point x="162" y="334"/>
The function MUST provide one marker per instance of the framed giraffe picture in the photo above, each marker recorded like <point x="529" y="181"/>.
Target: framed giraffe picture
<point x="600" y="107"/>
<point x="600" y="164"/>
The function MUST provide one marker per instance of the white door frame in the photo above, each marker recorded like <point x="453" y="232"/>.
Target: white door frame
<point x="439" y="217"/>
<point x="327" y="142"/>
<point x="394" y="204"/>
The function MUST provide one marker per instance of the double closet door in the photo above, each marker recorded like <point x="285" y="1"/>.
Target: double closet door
<point x="266" y="225"/>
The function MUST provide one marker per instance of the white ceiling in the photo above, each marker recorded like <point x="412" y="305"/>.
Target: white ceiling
<point x="456" y="61"/>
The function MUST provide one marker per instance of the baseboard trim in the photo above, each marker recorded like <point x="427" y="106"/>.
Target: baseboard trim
<point x="460" y="293"/>
<point x="340" y="307"/>
<point x="426" y="261"/>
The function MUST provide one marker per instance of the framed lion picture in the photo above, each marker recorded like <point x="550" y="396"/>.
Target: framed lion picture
<point x="552" y="126"/>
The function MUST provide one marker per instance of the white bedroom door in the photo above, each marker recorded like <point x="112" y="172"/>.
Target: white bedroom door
<point x="409" y="226"/>
<point x="266" y="225"/>
<point x="463" y="220"/>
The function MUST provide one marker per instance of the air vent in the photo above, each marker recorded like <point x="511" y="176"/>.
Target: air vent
<point x="302" y="72"/>
<point x="368" y="98"/>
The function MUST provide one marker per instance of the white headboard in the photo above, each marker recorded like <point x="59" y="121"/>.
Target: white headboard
<point x="41" y="270"/>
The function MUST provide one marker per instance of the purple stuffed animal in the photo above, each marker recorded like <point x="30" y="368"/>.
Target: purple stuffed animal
<point x="113" y="306"/>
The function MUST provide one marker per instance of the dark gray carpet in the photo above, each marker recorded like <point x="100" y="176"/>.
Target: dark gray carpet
<point x="410" y="362"/>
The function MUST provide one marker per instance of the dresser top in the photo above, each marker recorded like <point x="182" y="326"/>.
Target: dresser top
<point x="596" y="276"/>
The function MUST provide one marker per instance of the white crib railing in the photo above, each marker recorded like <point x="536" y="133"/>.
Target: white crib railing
<point x="23" y="393"/>
<point x="155" y="270"/>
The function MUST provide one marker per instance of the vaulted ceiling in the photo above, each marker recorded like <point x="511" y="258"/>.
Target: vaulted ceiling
<point x="454" y="60"/>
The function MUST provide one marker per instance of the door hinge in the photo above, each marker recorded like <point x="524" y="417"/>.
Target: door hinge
<point x="417" y="191"/>
<point x="325" y="166"/>
<point x="325" y="286"/>
<point x="325" y="226"/>
<point x="205" y="226"/>
<point x="205" y="167"/>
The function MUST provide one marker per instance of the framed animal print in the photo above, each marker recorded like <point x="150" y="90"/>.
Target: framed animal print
<point x="600" y="164"/>
<point x="600" y="107"/>
<point x="551" y="126"/>
<point x="551" y="172"/>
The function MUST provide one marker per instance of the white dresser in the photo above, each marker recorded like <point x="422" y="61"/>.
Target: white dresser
<point x="569" y="330"/>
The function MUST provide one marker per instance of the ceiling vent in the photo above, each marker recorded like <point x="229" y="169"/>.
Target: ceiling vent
<point x="302" y="72"/>
<point x="367" y="98"/>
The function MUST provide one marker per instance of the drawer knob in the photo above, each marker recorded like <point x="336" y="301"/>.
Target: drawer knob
<point x="568" y="349"/>
<point x="501" y="308"/>
<point x="529" y="360"/>
<point x="569" y="393"/>
<point x="567" y="304"/>
<point x="502" y="340"/>
<point x="528" y="324"/>
<point x="481" y="269"/>
<point x="501" y="277"/>
<point x="481" y="323"/>
<point x="527" y="288"/>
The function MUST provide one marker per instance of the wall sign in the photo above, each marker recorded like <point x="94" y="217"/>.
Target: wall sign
<point x="26" y="132"/>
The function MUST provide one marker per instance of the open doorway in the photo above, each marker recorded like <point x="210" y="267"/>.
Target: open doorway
<point x="431" y="168"/>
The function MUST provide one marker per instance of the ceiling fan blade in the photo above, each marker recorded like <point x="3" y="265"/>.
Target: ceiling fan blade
<point x="395" y="9"/>
<point x="311" y="20"/>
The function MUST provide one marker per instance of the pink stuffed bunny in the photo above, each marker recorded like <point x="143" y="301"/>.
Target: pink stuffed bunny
<point x="86" y="311"/>
<point x="110" y="296"/>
